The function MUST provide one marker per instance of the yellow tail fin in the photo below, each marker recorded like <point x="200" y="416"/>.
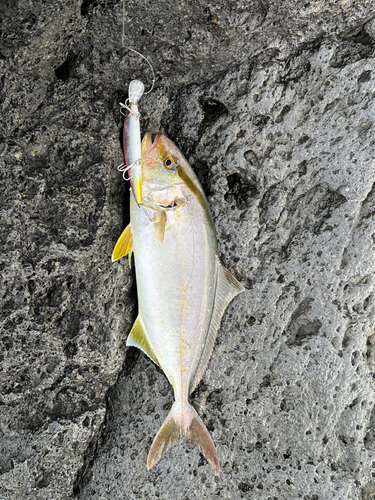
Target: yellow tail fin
<point x="183" y="421"/>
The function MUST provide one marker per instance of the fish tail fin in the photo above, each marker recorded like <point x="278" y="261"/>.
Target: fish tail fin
<point x="183" y="421"/>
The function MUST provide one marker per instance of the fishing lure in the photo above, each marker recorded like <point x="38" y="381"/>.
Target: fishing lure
<point x="132" y="140"/>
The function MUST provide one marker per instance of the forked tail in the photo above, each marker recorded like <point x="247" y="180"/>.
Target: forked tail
<point x="183" y="421"/>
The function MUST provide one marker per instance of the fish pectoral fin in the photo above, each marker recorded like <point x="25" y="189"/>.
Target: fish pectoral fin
<point x="124" y="245"/>
<point x="138" y="338"/>
<point x="159" y="226"/>
<point x="227" y="287"/>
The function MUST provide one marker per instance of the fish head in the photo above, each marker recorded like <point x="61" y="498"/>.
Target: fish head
<point x="163" y="186"/>
<point x="169" y="184"/>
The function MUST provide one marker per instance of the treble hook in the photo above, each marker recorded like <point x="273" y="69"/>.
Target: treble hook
<point x="123" y="168"/>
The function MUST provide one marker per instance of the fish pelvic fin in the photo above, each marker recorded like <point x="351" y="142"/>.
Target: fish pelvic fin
<point x="159" y="226"/>
<point x="124" y="245"/>
<point x="183" y="421"/>
<point x="138" y="338"/>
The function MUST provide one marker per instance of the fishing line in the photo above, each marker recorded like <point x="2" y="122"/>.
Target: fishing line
<point x="136" y="51"/>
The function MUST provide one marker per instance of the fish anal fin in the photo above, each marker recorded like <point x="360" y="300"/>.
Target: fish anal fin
<point x="227" y="287"/>
<point x="138" y="338"/>
<point x="124" y="245"/>
<point x="159" y="226"/>
<point x="183" y="421"/>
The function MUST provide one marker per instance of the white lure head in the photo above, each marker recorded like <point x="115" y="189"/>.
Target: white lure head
<point x="136" y="91"/>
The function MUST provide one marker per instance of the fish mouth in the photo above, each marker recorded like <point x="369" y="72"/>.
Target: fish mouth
<point x="174" y="204"/>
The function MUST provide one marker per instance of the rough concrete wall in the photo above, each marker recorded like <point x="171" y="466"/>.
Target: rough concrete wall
<point x="273" y="105"/>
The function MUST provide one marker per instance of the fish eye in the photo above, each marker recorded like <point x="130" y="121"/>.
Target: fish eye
<point x="170" y="162"/>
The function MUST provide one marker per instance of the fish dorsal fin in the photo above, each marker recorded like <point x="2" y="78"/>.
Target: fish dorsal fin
<point x="227" y="287"/>
<point x="138" y="338"/>
<point x="124" y="245"/>
<point x="159" y="226"/>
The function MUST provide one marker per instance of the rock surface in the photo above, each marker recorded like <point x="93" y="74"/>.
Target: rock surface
<point x="273" y="105"/>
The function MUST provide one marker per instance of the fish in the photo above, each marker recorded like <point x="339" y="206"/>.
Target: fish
<point x="183" y="290"/>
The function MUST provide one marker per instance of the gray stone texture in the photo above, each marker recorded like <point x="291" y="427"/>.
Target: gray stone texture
<point x="272" y="103"/>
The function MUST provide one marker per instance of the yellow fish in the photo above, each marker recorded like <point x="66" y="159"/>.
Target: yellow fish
<point x="183" y="289"/>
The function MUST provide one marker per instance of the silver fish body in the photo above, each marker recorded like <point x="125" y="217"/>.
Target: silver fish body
<point x="176" y="288"/>
<point x="182" y="288"/>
